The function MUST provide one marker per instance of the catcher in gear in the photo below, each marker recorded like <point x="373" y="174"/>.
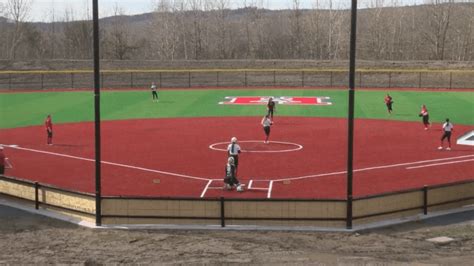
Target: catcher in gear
<point x="230" y="178"/>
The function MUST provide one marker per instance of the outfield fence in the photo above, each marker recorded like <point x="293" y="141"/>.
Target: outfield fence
<point x="222" y="212"/>
<point x="204" y="78"/>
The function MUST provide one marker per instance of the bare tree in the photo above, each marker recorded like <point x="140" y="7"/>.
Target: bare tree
<point x="119" y="37"/>
<point x="296" y="29"/>
<point x="335" y="30"/>
<point x="462" y="34"/>
<point x="17" y="11"/>
<point x="198" y="28"/>
<point x="165" y="31"/>
<point x="438" y="17"/>
<point x="77" y="36"/>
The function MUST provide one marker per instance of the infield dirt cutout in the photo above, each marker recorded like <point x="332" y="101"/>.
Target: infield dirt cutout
<point x="388" y="156"/>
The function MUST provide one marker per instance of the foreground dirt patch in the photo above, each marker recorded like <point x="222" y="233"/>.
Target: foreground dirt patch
<point x="32" y="239"/>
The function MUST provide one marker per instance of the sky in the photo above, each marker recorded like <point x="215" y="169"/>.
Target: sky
<point x="42" y="10"/>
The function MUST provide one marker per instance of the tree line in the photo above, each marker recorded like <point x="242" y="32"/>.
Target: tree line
<point x="204" y="29"/>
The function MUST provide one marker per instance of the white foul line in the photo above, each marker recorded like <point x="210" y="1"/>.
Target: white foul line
<point x="115" y="164"/>
<point x="436" y="164"/>
<point x="373" y="168"/>
<point x="206" y="188"/>
<point x="271" y="181"/>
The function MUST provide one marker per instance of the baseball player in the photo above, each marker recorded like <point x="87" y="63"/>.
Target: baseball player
<point x="447" y="130"/>
<point x="230" y="178"/>
<point x="388" y="102"/>
<point x="271" y="108"/>
<point x="2" y="161"/>
<point x="154" y="92"/>
<point x="266" y="123"/>
<point x="233" y="151"/>
<point x="48" y="123"/>
<point x="426" y="116"/>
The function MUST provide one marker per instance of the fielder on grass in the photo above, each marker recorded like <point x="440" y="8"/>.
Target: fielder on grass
<point x="388" y="102"/>
<point x="271" y="108"/>
<point x="154" y="92"/>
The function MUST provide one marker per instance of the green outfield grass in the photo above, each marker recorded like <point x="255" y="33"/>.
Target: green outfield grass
<point x="24" y="109"/>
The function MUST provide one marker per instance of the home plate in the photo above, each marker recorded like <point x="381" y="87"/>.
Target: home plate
<point x="440" y="240"/>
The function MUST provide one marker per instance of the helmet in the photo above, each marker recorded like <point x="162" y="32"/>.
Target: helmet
<point x="230" y="160"/>
<point x="233" y="140"/>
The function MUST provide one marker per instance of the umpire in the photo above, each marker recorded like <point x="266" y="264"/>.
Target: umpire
<point x="233" y="151"/>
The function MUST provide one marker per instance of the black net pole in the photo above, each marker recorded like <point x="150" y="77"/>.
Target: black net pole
<point x="350" y="119"/>
<point x="98" y="209"/>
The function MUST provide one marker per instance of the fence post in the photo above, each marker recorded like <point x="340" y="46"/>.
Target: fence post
<point x="349" y="213"/>
<point x="36" y="195"/>
<point x="102" y="79"/>
<point x="72" y="80"/>
<point x="189" y="79"/>
<point x="389" y="79"/>
<point x="217" y="78"/>
<point x="330" y="82"/>
<point x="419" y="80"/>
<point x="450" y="80"/>
<point x="302" y="78"/>
<point x="160" y="80"/>
<point x="360" y="79"/>
<point x="274" y="78"/>
<point x="425" y="200"/>
<point x="222" y="212"/>
<point x="42" y="77"/>
<point x="245" y="79"/>
<point x="131" y="79"/>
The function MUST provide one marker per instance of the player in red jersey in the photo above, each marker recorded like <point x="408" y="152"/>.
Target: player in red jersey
<point x="48" y="123"/>
<point x="388" y="102"/>
<point x="425" y="115"/>
<point x="2" y="161"/>
<point x="271" y="108"/>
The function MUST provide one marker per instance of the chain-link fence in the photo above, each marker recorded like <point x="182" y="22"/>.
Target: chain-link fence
<point x="126" y="79"/>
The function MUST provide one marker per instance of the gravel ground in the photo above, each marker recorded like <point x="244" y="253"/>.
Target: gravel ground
<point x="32" y="239"/>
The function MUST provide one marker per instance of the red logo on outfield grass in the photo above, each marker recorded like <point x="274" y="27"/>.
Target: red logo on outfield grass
<point x="287" y="100"/>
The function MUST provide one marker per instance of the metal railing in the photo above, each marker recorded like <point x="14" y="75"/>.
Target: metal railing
<point x="222" y="218"/>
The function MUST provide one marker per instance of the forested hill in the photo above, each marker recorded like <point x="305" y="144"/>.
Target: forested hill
<point x="442" y="32"/>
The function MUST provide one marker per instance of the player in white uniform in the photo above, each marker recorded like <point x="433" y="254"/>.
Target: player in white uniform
<point x="447" y="130"/>
<point x="266" y="123"/>
<point x="233" y="150"/>
<point x="154" y="92"/>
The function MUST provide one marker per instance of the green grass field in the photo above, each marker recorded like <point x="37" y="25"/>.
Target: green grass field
<point x="25" y="109"/>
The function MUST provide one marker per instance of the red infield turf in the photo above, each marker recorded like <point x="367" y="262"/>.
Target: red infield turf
<point x="186" y="158"/>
